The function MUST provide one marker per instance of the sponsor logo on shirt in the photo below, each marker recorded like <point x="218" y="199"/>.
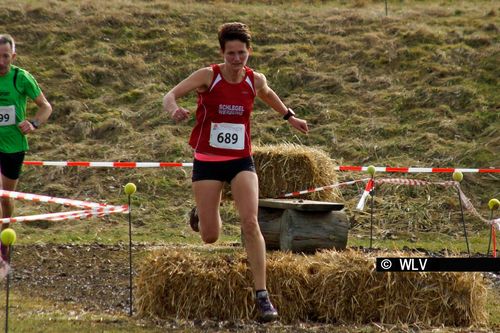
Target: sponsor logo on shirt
<point x="231" y="110"/>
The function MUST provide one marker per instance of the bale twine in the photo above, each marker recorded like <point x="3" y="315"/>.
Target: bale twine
<point x="288" y="167"/>
<point x="329" y="287"/>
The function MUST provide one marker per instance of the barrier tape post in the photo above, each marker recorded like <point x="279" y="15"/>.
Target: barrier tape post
<point x="371" y="171"/>
<point x="372" y="194"/>
<point x="130" y="256"/>
<point x="7" y="291"/>
<point x="492" y="232"/>
<point x="493" y="204"/>
<point x="463" y="221"/>
<point x="130" y="189"/>
<point x="9" y="248"/>
<point x="458" y="177"/>
<point x="369" y="190"/>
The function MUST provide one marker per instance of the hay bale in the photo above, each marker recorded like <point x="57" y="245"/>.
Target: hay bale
<point x="286" y="168"/>
<point x="289" y="284"/>
<point x="329" y="287"/>
<point x="185" y="284"/>
<point x="349" y="290"/>
<point x="191" y="285"/>
<point x="338" y="276"/>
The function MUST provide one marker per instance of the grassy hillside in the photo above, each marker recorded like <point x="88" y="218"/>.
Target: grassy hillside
<point x="418" y="87"/>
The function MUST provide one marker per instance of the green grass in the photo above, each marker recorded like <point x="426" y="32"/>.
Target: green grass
<point x="430" y="241"/>
<point x="27" y="314"/>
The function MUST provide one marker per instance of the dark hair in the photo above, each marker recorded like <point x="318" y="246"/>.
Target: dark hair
<point x="7" y="39"/>
<point x="234" y="31"/>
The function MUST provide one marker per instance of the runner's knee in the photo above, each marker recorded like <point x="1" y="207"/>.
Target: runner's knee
<point x="209" y="237"/>
<point x="249" y="225"/>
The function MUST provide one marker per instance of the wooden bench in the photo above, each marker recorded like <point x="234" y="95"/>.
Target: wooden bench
<point x="302" y="225"/>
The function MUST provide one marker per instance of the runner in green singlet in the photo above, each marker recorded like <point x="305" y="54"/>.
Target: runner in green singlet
<point x="16" y="85"/>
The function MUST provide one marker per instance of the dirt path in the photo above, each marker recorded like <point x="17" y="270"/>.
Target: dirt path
<point x="94" y="276"/>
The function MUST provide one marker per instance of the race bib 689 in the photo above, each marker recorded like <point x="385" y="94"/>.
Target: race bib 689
<point x="227" y="136"/>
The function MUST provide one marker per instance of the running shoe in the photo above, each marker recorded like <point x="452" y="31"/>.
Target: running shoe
<point x="267" y="311"/>
<point x="194" y="221"/>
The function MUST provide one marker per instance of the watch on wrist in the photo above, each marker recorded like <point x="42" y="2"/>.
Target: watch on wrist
<point x="35" y="123"/>
<point x="289" y="114"/>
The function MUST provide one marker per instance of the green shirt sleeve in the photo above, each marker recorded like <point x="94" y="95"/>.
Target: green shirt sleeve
<point x="29" y="85"/>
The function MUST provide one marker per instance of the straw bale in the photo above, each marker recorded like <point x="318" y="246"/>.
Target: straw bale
<point x="349" y="290"/>
<point x="289" y="285"/>
<point x="289" y="167"/>
<point x="189" y="285"/>
<point x="342" y="281"/>
<point x="329" y="287"/>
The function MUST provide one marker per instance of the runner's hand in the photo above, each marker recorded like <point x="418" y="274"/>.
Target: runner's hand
<point x="26" y="127"/>
<point x="299" y="124"/>
<point x="180" y="114"/>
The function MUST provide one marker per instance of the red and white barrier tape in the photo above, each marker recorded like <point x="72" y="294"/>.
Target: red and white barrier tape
<point x="416" y="182"/>
<point x="369" y="187"/>
<point x="413" y="182"/>
<point x="182" y="164"/>
<point x="72" y="215"/>
<point x="109" y="164"/>
<point x="48" y="199"/>
<point x="92" y="208"/>
<point x="468" y="205"/>
<point x="322" y="188"/>
<point x="416" y="169"/>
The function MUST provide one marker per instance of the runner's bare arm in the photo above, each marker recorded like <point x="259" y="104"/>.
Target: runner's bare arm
<point x="269" y="97"/>
<point x="199" y="80"/>
<point x="44" y="109"/>
<point x="41" y="116"/>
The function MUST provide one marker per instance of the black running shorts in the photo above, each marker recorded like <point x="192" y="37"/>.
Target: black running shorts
<point x="11" y="164"/>
<point x="222" y="171"/>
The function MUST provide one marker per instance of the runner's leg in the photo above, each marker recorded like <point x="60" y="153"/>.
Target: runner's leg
<point x="8" y="203"/>
<point x="207" y="194"/>
<point x="245" y="191"/>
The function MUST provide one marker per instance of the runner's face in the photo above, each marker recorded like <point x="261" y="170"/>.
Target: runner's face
<point x="235" y="54"/>
<point x="6" y="58"/>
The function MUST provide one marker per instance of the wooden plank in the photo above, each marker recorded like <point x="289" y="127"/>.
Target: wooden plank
<point x="302" y="205"/>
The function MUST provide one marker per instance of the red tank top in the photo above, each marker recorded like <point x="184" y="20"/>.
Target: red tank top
<point x="223" y="117"/>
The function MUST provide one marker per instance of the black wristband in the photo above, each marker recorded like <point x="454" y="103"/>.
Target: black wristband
<point x="289" y="114"/>
<point x="35" y="123"/>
